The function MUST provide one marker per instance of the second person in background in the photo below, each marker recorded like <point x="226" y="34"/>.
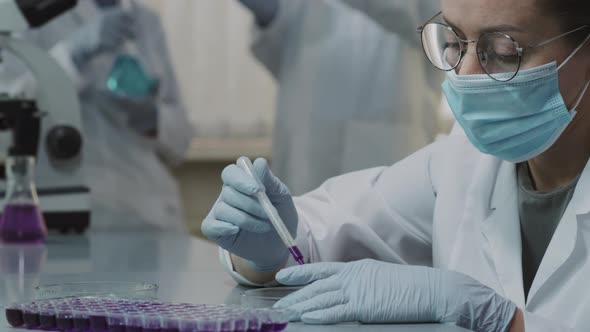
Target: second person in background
<point x="352" y="93"/>
<point x="135" y="126"/>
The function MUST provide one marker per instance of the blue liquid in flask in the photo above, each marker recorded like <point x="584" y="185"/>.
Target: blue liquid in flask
<point x="128" y="78"/>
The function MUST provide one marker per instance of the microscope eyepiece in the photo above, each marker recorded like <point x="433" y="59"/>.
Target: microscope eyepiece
<point x="39" y="12"/>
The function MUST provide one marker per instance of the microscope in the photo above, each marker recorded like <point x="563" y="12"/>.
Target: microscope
<point x="48" y="126"/>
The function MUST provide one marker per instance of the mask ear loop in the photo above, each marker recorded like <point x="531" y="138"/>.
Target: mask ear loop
<point x="580" y="98"/>
<point x="574" y="53"/>
<point x="574" y="111"/>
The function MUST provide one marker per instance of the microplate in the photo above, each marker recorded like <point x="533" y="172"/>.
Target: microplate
<point x="96" y="314"/>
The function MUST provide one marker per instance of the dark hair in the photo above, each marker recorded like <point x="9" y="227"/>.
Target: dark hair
<point x="572" y="13"/>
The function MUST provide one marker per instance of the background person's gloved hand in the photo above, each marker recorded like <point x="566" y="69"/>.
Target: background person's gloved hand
<point x="106" y="32"/>
<point x="238" y="223"/>
<point x="138" y="113"/>
<point x="142" y="113"/>
<point x="376" y="292"/>
<point x="264" y="10"/>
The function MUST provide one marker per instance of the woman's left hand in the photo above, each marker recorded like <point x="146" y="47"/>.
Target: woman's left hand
<point x="375" y="292"/>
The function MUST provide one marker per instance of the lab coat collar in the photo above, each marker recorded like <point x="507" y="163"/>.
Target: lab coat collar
<point x="564" y="240"/>
<point x="501" y="228"/>
<point x="581" y="198"/>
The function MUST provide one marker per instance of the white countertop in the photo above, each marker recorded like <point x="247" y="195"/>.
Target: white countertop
<point x="186" y="269"/>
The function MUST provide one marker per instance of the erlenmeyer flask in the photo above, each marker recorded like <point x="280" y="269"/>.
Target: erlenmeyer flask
<point x="22" y="221"/>
<point x="129" y="79"/>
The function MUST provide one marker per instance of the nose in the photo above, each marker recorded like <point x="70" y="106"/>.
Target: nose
<point x="470" y="64"/>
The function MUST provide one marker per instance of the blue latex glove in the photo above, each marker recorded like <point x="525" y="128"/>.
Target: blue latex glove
<point x="106" y="32"/>
<point x="238" y="223"/>
<point x="264" y="10"/>
<point x="375" y="292"/>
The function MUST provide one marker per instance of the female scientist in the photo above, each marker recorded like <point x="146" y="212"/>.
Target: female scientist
<point x="489" y="231"/>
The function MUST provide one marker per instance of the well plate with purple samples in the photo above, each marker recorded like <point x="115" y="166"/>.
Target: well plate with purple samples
<point x="94" y="314"/>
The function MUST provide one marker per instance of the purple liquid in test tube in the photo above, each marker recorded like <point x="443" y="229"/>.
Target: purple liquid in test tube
<point x="275" y="219"/>
<point x="297" y="255"/>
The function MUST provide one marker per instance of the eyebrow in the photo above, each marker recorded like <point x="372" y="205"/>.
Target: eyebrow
<point x="495" y="28"/>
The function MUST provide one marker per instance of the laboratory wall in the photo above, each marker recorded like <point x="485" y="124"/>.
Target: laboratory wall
<point x="226" y="90"/>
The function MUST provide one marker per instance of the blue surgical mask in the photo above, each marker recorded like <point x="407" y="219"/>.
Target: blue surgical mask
<point x="516" y="120"/>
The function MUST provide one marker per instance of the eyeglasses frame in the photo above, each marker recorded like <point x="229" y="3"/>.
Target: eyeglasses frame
<point x="520" y="50"/>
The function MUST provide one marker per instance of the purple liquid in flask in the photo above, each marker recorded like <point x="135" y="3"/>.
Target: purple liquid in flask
<point x="22" y="221"/>
<point x="22" y="224"/>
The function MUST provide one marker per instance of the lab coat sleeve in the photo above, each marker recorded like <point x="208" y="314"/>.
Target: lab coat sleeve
<point x="272" y="41"/>
<point x="281" y="40"/>
<point x="226" y="262"/>
<point x="225" y="258"/>
<point x="383" y="213"/>
<point x="400" y="17"/>
<point x="175" y="131"/>
<point x="300" y="25"/>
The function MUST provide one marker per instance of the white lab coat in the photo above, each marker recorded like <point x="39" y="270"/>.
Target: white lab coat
<point x="128" y="174"/>
<point x="452" y="207"/>
<point x="351" y="95"/>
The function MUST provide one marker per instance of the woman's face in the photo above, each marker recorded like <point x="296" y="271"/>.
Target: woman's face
<point x="528" y="24"/>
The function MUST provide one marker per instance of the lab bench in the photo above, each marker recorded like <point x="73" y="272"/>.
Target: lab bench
<point x="186" y="268"/>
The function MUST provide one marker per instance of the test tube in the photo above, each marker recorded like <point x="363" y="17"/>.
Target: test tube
<point x="245" y="164"/>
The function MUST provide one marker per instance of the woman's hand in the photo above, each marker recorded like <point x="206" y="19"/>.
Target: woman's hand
<point x="375" y="292"/>
<point x="238" y="223"/>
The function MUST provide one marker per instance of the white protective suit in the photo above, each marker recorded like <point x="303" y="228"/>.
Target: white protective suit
<point x="128" y="175"/>
<point x="451" y="207"/>
<point x="351" y="94"/>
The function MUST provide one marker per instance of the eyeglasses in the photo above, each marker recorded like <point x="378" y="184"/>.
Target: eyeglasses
<point x="499" y="55"/>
